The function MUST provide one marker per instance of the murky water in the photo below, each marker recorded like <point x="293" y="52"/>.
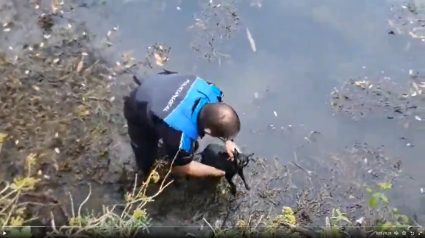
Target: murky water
<point x="282" y="90"/>
<point x="304" y="50"/>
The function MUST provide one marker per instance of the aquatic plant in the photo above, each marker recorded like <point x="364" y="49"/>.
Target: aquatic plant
<point x="336" y="224"/>
<point x="343" y="200"/>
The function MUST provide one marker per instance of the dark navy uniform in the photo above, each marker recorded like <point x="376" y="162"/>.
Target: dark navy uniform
<point x="166" y="106"/>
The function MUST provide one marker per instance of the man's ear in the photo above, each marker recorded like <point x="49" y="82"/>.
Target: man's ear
<point x="207" y="131"/>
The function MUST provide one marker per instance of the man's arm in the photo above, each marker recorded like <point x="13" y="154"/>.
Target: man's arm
<point x="180" y="149"/>
<point x="196" y="169"/>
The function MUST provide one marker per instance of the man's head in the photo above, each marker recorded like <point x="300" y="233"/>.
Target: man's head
<point x="219" y="120"/>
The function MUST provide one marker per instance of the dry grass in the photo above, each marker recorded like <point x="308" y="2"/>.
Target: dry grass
<point x="132" y="220"/>
<point x="126" y="219"/>
<point x="11" y="211"/>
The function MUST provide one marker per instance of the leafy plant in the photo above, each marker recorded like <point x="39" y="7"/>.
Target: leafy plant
<point x="339" y="218"/>
<point x="376" y="198"/>
<point x="379" y="200"/>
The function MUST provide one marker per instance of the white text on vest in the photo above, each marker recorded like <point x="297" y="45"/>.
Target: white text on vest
<point x="176" y="94"/>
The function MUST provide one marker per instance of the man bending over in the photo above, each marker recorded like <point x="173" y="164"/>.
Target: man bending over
<point x="178" y="109"/>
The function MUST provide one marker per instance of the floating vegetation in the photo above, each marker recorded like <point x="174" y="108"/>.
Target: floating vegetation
<point x="216" y="23"/>
<point x="409" y="18"/>
<point x="365" y="97"/>
<point x="347" y="195"/>
<point x="160" y="53"/>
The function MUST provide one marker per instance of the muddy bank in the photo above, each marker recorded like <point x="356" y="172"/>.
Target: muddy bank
<point x="75" y="140"/>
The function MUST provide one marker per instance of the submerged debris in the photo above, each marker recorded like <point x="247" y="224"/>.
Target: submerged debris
<point x="251" y="40"/>
<point x="361" y="98"/>
<point x="45" y="21"/>
<point x="256" y="3"/>
<point x="217" y="22"/>
<point x="409" y="19"/>
<point x="161" y="54"/>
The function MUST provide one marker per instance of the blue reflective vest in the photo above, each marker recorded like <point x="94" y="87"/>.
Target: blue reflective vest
<point x="173" y="97"/>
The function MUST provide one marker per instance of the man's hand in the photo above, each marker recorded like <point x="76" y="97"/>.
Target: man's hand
<point x="230" y="148"/>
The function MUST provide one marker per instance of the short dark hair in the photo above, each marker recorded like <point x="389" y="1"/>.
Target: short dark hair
<point x="221" y="119"/>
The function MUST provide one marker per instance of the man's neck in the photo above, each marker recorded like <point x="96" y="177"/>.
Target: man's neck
<point x="201" y="129"/>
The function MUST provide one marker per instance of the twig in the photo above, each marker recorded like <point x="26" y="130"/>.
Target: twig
<point x="294" y="163"/>
<point x="5" y="188"/>
<point x="259" y="221"/>
<point x="52" y="222"/>
<point x="171" y="167"/>
<point x="205" y="220"/>
<point x="39" y="204"/>
<point x="16" y="190"/>
<point x="299" y="229"/>
<point x="307" y="171"/>
<point x="82" y="204"/>
<point x="135" y="185"/>
<point x="72" y="204"/>
<point x="95" y="222"/>
<point x="9" y="215"/>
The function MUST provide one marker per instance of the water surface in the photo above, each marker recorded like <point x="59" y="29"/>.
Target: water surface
<point x="304" y="50"/>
